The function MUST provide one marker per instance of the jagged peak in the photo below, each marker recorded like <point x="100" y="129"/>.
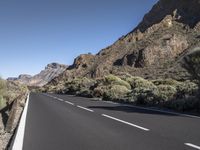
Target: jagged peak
<point x="184" y="11"/>
<point x="55" y="65"/>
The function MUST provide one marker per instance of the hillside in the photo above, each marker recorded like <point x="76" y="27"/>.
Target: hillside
<point x="51" y="71"/>
<point x="151" y="50"/>
<point x="12" y="101"/>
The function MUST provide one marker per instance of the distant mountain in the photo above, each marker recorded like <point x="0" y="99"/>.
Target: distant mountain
<point x="151" y="50"/>
<point x="51" y="71"/>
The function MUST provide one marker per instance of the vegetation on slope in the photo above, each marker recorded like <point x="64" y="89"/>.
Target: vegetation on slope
<point x="162" y="92"/>
<point x="191" y="63"/>
<point x="12" y="97"/>
<point x="2" y="93"/>
<point x="9" y="91"/>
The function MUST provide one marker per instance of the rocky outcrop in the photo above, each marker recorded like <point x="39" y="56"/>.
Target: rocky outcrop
<point x="51" y="71"/>
<point x="172" y="46"/>
<point x="182" y="11"/>
<point x="151" y="50"/>
<point x="83" y="61"/>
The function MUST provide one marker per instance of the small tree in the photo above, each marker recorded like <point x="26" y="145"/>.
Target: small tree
<point x="2" y="87"/>
<point x="2" y="93"/>
<point x="191" y="62"/>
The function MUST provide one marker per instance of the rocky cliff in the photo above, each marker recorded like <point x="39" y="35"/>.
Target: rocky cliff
<point x="151" y="50"/>
<point x="51" y="71"/>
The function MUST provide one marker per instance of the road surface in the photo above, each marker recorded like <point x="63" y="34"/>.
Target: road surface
<point x="61" y="122"/>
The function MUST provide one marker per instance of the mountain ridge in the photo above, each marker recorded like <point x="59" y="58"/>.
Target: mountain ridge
<point x="169" y="30"/>
<point x="51" y="71"/>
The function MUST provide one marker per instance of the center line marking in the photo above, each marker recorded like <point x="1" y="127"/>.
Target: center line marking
<point x="69" y="103"/>
<point x="192" y="145"/>
<point x="85" y="108"/>
<point x="60" y="99"/>
<point x="110" y="102"/>
<point x="128" y="123"/>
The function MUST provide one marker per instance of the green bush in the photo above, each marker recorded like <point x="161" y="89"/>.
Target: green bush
<point x="138" y="82"/>
<point x="145" y="96"/>
<point x="124" y="76"/>
<point x="79" y="86"/>
<point x="143" y="91"/>
<point x="166" y="82"/>
<point x="85" y="93"/>
<point x="116" y="92"/>
<point x="2" y="93"/>
<point x="154" y="95"/>
<point x="191" y="62"/>
<point x="166" y="92"/>
<point x="184" y="89"/>
<point x="187" y="88"/>
<point x="111" y="79"/>
<point x="2" y="102"/>
<point x="99" y="91"/>
<point x="2" y="87"/>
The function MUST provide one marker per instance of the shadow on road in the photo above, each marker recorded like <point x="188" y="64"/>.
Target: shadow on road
<point x="130" y="109"/>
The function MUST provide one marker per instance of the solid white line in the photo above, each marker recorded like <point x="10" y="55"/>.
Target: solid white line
<point x="85" y="108"/>
<point x="192" y="145"/>
<point x="128" y="123"/>
<point x="69" y="103"/>
<point x="18" y="143"/>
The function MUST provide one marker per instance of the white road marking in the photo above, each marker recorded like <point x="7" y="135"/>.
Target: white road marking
<point x="193" y="146"/>
<point x="110" y="102"/>
<point x="69" y="103"/>
<point x="85" y="108"/>
<point x="60" y="99"/>
<point x="125" y="122"/>
<point x="19" y="139"/>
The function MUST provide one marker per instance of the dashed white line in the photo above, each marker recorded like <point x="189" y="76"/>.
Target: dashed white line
<point x="193" y="146"/>
<point x="85" y="108"/>
<point x="59" y="99"/>
<point x="110" y="102"/>
<point x="125" y="122"/>
<point x="69" y="103"/>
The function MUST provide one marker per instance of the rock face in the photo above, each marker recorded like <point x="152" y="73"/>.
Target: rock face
<point x="151" y="50"/>
<point x="51" y="71"/>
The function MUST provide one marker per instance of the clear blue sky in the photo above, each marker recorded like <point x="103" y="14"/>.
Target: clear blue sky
<point x="34" y="33"/>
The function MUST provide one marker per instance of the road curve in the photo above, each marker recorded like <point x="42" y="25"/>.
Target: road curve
<point x="61" y="122"/>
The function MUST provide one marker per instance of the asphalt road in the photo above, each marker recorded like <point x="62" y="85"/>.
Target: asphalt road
<point x="61" y="122"/>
